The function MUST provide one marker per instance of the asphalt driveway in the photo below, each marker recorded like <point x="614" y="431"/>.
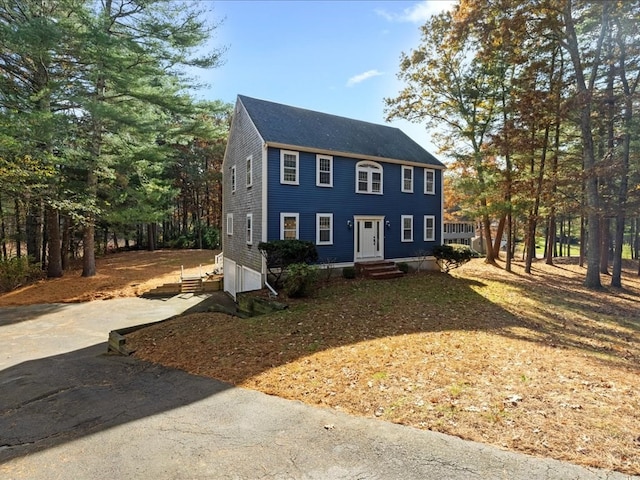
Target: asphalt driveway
<point x="70" y="411"/>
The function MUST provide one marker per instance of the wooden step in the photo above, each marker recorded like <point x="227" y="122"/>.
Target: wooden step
<point x="191" y="285"/>
<point x="381" y="269"/>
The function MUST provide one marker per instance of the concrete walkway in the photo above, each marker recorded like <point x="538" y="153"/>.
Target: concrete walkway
<point x="69" y="411"/>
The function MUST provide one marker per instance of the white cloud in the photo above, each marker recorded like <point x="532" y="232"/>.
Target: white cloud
<point x="361" y="77"/>
<point x="420" y="12"/>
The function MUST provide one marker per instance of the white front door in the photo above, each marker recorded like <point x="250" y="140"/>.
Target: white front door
<point x="369" y="238"/>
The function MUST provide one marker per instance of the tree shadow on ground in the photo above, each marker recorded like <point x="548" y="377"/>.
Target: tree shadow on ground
<point x="13" y="315"/>
<point x="58" y="399"/>
<point x="350" y="313"/>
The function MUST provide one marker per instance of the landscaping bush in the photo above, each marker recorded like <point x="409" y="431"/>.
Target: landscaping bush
<point x="403" y="267"/>
<point x="300" y="279"/>
<point x="280" y="254"/>
<point x="453" y="256"/>
<point x="349" y="272"/>
<point x="15" y="272"/>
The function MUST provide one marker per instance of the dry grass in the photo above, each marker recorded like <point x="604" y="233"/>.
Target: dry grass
<point x="533" y="363"/>
<point x="126" y="274"/>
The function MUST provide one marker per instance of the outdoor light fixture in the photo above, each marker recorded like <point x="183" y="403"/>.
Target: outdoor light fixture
<point x="388" y="224"/>
<point x="349" y="224"/>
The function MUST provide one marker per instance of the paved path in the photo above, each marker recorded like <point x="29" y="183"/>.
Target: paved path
<point x="69" y="411"/>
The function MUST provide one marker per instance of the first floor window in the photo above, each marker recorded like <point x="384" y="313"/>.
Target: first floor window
<point x="407" y="228"/>
<point x="429" y="228"/>
<point x="249" y="228"/>
<point x="229" y="223"/>
<point x="289" y="226"/>
<point x="324" y="229"/>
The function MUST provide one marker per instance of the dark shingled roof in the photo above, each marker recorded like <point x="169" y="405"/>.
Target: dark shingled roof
<point x="298" y="127"/>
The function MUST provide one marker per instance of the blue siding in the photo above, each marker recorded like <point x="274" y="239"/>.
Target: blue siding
<point x="307" y="199"/>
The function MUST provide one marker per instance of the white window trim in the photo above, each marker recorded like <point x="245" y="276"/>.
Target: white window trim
<point x="324" y="157"/>
<point x="249" y="165"/>
<point x="234" y="179"/>
<point x="433" y="190"/>
<point x="229" y="224"/>
<point x="433" y="229"/>
<point x="297" y="155"/>
<point x="410" y="189"/>
<point x="288" y="214"/>
<point x="318" y="216"/>
<point x="402" y="219"/>
<point x="249" y="228"/>
<point x="369" y="190"/>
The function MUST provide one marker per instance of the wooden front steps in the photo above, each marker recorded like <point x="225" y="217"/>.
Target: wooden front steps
<point x="170" y="289"/>
<point x="191" y="285"/>
<point x="381" y="269"/>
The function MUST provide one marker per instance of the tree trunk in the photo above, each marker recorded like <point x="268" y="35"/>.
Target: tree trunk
<point x="584" y="97"/>
<point x="34" y="231"/>
<point x="65" y="249"/>
<point x="605" y="242"/>
<point x="583" y="240"/>
<point x="88" y="234"/>
<point x="3" y="232"/>
<point x="54" y="263"/>
<point x="551" y="237"/>
<point x="629" y="91"/>
<point x="497" y="242"/>
<point x="151" y="237"/>
<point x="510" y="242"/>
<point x="88" y="251"/>
<point x="16" y="206"/>
<point x="490" y="257"/>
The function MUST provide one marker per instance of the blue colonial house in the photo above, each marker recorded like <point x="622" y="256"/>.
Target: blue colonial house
<point x="362" y="192"/>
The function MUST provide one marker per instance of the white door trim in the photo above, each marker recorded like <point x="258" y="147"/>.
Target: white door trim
<point x="358" y="237"/>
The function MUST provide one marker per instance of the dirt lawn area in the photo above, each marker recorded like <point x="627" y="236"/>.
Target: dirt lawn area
<point x="126" y="274"/>
<point x="531" y="363"/>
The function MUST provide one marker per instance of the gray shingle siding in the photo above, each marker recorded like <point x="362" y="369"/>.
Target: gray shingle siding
<point x="244" y="141"/>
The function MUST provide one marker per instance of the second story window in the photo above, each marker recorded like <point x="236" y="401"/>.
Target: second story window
<point x="429" y="181"/>
<point x="368" y="178"/>
<point x="289" y="168"/>
<point x="407" y="179"/>
<point x="233" y="179"/>
<point x="324" y="171"/>
<point x="249" y="171"/>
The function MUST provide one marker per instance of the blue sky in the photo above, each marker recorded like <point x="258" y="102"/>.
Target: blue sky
<point x="338" y="57"/>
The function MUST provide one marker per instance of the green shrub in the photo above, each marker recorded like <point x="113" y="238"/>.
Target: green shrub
<point x="210" y="238"/>
<point x="453" y="256"/>
<point x="280" y="254"/>
<point x="403" y="267"/>
<point x="300" y="279"/>
<point x="349" y="272"/>
<point x="15" y="272"/>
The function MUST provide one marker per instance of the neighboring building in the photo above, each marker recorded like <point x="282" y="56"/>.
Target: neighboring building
<point x="459" y="232"/>
<point x="360" y="191"/>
